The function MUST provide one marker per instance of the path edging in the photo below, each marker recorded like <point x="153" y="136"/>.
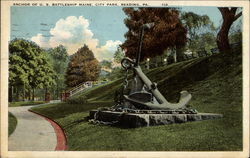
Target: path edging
<point x="60" y="133"/>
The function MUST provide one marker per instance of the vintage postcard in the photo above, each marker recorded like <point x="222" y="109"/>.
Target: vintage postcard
<point x="124" y="79"/>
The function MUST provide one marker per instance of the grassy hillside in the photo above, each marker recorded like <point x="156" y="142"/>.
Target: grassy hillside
<point x="216" y="86"/>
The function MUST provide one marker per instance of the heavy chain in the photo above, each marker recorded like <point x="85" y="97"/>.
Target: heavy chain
<point x="125" y="83"/>
<point x="176" y="111"/>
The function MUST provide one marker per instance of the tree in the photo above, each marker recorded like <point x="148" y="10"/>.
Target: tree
<point x="46" y="77"/>
<point x="229" y="15"/>
<point x="168" y="31"/>
<point x="29" y="66"/>
<point x="235" y="32"/>
<point x="106" y="64"/>
<point x="196" y="26"/>
<point x="208" y="40"/>
<point x="59" y="59"/>
<point x="236" y="37"/>
<point x="83" y="66"/>
<point x="17" y="73"/>
<point x="119" y="55"/>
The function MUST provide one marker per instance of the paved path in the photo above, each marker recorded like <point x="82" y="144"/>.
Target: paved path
<point x="33" y="132"/>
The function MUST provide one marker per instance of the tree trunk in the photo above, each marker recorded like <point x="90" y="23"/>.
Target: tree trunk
<point x="33" y="94"/>
<point x="222" y="37"/>
<point x="17" y="93"/>
<point x="174" y="56"/>
<point x="24" y="92"/>
<point x="45" y="95"/>
<point x="57" y="90"/>
<point x="179" y="54"/>
<point x="11" y="94"/>
<point x="29" y="94"/>
<point x="229" y="16"/>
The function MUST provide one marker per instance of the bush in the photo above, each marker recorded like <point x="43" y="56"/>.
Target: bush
<point x="77" y="100"/>
<point x="12" y="123"/>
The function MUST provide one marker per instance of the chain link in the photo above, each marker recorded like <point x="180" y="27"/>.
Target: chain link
<point x="125" y="84"/>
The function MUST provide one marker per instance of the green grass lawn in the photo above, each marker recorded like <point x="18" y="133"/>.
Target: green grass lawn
<point x="12" y="123"/>
<point x="25" y="103"/>
<point x="215" y="87"/>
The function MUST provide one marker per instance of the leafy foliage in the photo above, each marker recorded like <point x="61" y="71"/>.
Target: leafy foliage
<point x="198" y="26"/>
<point x="106" y="64"/>
<point x="59" y="59"/>
<point x="235" y="33"/>
<point x="236" y="37"/>
<point x="167" y="32"/>
<point x="83" y="66"/>
<point x="195" y="23"/>
<point x="204" y="42"/>
<point x="119" y="55"/>
<point x="29" y="65"/>
<point x="12" y="123"/>
<point x="77" y="100"/>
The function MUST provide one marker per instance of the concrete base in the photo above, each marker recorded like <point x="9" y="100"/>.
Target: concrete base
<point x="132" y="120"/>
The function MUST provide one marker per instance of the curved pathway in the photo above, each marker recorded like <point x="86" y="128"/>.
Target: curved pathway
<point x="33" y="132"/>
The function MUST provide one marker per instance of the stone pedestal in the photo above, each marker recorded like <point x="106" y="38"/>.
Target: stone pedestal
<point x="133" y="120"/>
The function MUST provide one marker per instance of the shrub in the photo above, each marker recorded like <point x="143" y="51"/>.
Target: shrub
<point x="77" y="100"/>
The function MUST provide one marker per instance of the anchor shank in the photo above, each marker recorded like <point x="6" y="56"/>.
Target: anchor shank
<point x="159" y="97"/>
<point x="138" y="54"/>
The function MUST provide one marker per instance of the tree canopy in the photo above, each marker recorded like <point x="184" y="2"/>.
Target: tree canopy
<point x="59" y="59"/>
<point x="198" y="26"/>
<point x="106" y="64"/>
<point x="29" y="65"/>
<point x="168" y="31"/>
<point x="119" y="55"/>
<point x="83" y="66"/>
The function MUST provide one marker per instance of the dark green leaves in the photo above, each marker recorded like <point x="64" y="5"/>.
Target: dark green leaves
<point x="29" y="66"/>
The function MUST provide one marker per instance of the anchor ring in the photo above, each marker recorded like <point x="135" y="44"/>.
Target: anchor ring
<point x="127" y="63"/>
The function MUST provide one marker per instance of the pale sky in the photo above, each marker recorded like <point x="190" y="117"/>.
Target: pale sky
<point x="101" y="28"/>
